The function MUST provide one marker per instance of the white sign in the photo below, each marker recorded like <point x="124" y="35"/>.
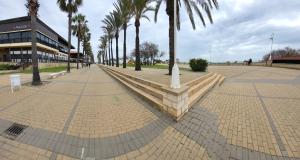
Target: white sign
<point x="15" y="81"/>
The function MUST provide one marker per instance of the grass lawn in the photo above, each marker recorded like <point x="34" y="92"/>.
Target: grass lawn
<point x="50" y="69"/>
<point x="158" y="66"/>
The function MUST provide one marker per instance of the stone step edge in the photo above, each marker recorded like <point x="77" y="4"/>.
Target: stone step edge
<point x="150" y="99"/>
<point x="195" y="88"/>
<point x="199" y="95"/>
<point x="152" y="91"/>
<point x="143" y="81"/>
<point x="198" y="80"/>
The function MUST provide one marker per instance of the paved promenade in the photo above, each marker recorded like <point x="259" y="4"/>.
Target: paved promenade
<point x="89" y="115"/>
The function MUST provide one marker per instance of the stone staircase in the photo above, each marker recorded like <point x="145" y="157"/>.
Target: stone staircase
<point x="174" y="102"/>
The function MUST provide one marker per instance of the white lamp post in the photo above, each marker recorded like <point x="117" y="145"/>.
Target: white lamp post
<point x="175" y="80"/>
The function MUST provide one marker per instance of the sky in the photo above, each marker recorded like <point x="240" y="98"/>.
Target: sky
<point x="241" y="28"/>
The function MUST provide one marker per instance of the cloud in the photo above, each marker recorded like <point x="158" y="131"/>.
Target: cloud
<point x="241" y="29"/>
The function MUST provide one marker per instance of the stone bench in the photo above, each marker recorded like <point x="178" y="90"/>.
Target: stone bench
<point x="55" y="75"/>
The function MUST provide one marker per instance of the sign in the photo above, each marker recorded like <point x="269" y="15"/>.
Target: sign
<point x="15" y="81"/>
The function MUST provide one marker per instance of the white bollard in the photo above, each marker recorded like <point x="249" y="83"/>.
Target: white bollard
<point x="175" y="79"/>
<point x="15" y="82"/>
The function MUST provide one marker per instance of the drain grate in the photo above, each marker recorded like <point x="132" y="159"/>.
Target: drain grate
<point x="14" y="131"/>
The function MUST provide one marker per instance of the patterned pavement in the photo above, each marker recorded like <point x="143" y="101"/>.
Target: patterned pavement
<point x="89" y="115"/>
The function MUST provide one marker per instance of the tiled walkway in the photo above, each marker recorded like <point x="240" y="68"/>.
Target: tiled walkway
<point x="87" y="114"/>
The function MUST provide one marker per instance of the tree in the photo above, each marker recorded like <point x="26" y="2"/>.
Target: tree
<point x="148" y="53"/>
<point x="190" y="5"/>
<point x="33" y="7"/>
<point x="108" y="30"/>
<point x="113" y="20"/>
<point x="79" y="22"/>
<point x="139" y="10"/>
<point x="70" y="7"/>
<point x="124" y="8"/>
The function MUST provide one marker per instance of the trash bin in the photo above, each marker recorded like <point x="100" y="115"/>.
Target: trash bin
<point x="15" y="81"/>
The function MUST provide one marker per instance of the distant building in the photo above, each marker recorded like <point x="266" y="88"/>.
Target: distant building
<point x="292" y="60"/>
<point x="73" y="56"/>
<point x="15" y="42"/>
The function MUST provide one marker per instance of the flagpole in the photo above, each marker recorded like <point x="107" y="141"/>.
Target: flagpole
<point x="175" y="80"/>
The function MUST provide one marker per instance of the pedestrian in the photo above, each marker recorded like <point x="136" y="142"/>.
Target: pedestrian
<point x="89" y="65"/>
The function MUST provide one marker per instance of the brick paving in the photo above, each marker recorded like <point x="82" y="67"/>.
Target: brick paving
<point x="87" y="114"/>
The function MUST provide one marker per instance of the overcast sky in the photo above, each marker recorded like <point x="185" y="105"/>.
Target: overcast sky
<point x="241" y="28"/>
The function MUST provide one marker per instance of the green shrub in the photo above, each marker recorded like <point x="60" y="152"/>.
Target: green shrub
<point x="7" y="67"/>
<point x="198" y="65"/>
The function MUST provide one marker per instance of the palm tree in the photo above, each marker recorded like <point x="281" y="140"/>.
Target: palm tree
<point x="124" y="8"/>
<point x="77" y="28"/>
<point x="113" y="21"/>
<point x="108" y="30"/>
<point x="69" y="6"/>
<point x="190" y="5"/>
<point x="103" y="45"/>
<point x="139" y="8"/>
<point x="86" y="42"/>
<point x="33" y="7"/>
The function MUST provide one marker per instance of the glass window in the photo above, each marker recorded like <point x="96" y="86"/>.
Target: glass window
<point x="17" y="52"/>
<point x="38" y="35"/>
<point x="26" y="34"/>
<point x="14" y="35"/>
<point x="3" y="37"/>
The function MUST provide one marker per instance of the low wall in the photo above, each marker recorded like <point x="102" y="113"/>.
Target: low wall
<point x="175" y="102"/>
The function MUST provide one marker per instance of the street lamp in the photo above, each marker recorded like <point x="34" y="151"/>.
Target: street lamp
<point x="272" y="41"/>
<point x="175" y="80"/>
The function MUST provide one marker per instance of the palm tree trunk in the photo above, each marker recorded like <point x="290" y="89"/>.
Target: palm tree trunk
<point x="137" y="46"/>
<point x="109" y="54"/>
<point x="103" y="59"/>
<point x="69" y="40"/>
<point x="78" y="50"/>
<point x="112" y="53"/>
<point x="106" y="56"/>
<point x="124" y="47"/>
<point x="36" y="79"/>
<point x="170" y="12"/>
<point x="117" y="50"/>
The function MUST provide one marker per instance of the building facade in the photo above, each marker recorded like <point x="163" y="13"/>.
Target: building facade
<point x="15" y="42"/>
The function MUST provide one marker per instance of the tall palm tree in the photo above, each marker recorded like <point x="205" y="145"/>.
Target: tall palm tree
<point x="124" y="8"/>
<point x="113" y="21"/>
<point x="33" y="7"/>
<point x="69" y="6"/>
<point x="79" y="22"/>
<point x="108" y="30"/>
<point x="86" y="43"/>
<point x="139" y="8"/>
<point x="191" y="7"/>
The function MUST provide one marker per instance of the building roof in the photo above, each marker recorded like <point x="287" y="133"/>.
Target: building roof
<point x="26" y="18"/>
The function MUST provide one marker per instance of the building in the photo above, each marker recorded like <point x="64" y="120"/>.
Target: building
<point x="291" y="60"/>
<point x="15" y="42"/>
<point x="73" y="57"/>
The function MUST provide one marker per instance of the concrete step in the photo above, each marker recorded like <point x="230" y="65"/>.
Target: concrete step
<point x="143" y="93"/>
<point x="194" y="88"/>
<point x="198" y="80"/>
<point x="142" y="81"/>
<point x="198" y="94"/>
<point x="148" y="89"/>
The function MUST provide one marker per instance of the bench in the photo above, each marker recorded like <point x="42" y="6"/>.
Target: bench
<point x="55" y="75"/>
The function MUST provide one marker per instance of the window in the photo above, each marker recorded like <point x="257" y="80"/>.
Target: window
<point x="17" y="52"/>
<point x="26" y="36"/>
<point x="15" y="35"/>
<point x="3" y="37"/>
